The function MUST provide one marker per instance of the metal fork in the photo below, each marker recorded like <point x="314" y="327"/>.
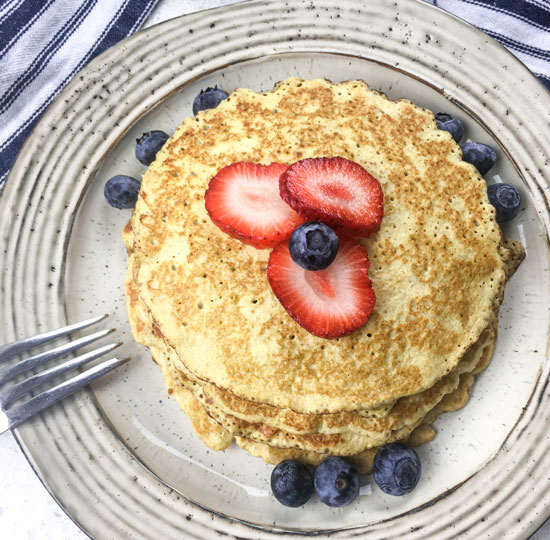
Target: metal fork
<point x="12" y="414"/>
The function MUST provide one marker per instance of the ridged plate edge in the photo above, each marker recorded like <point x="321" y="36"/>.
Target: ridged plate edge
<point x="75" y="453"/>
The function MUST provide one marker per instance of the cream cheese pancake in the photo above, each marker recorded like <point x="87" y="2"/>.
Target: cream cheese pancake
<point x="218" y="438"/>
<point x="240" y="367"/>
<point x="347" y="433"/>
<point x="437" y="261"/>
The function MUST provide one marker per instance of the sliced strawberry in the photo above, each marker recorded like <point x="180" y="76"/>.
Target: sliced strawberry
<point x="243" y="200"/>
<point x="337" y="192"/>
<point x="327" y="303"/>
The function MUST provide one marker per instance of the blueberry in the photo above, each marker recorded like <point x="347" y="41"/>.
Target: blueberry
<point x="148" y="145"/>
<point x="313" y="245"/>
<point x="506" y="200"/>
<point x="208" y="99"/>
<point x="291" y="483"/>
<point x="121" y="191"/>
<point x="449" y="123"/>
<point x="396" y="469"/>
<point x="480" y="155"/>
<point x="336" y="482"/>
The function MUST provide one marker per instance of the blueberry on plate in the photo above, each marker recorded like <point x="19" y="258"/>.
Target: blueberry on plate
<point x="313" y="245"/>
<point x="396" y="469"/>
<point x="506" y="200"/>
<point x="148" y="145"/>
<point x="291" y="483"/>
<point x="449" y="123"/>
<point x="336" y="482"/>
<point x="121" y="191"/>
<point x="208" y="99"/>
<point x="481" y="156"/>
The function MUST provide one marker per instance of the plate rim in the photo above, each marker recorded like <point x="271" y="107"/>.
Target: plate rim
<point x="184" y="20"/>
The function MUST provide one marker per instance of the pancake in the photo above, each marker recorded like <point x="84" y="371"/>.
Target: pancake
<point x="153" y="340"/>
<point x="244" y="415"/>
<point x="406" y="416"/>
<point x="437" y="263"/>
<point x="219" y="439"/>
<point x="363" y="461"/>
<point x="248" y="414"/>
<point x="239" y="367"/>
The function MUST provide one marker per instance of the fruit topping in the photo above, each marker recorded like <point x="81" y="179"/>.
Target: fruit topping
<point x="336" y="482"/>
<point x="148" y="145"/>
<point x="121" y="191"/>
<point x="313" y="245"/>
<point x="506" y="200"/>
<point x="208" y="99"/>
<point x="449" y="123"/>
<point x="291" y="483"/>
<point x="327" y="303"/>
<point x="243" y="201"/>
<point x="337" y="192"/>
<point x="481" y="156"/>
<point x="396" y="469"/>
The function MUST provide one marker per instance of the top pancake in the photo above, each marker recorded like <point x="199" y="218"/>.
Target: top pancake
<point x="436" y="263"/>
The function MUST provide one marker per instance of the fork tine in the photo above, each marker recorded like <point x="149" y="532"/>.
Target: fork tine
<point x="34" y="361"/>
<point x="22" y="412"/>
<point x="17" y="347"/>
<point x="16" y="391"/>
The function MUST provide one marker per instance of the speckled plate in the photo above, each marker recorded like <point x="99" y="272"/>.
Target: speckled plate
<point x="121" y="459"/>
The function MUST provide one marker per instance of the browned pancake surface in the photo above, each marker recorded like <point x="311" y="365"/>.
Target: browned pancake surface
<point x="437" y="262"/>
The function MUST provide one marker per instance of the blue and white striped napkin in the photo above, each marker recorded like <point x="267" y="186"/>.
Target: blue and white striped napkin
<point x="522" y="26"/>
<point x="43" y="44"/>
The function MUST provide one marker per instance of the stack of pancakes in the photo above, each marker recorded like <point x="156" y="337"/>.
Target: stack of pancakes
<point x="238" y="364"/>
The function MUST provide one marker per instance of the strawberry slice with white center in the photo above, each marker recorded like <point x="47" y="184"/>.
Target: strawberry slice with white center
<point x="243" y="200"/>
<point x="336" y="191"/>
<point x="328" y="303"/>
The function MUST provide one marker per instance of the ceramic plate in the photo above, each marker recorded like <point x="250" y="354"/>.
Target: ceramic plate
<point x="121" y="458"/>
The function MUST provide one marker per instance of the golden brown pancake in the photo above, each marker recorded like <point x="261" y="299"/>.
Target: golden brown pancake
<point x="251" y="413"/>
<point x="239" y="366"/>
<point x="437" y="261"/>
<point x="422" y="434"/>
<point x="404" y="419"/>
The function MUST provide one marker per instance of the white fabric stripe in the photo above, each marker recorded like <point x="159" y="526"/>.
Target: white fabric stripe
<point x="27" y="27"/>
<point x="8" y="8"/>
<point x="485" y="17"/>
<point x="541" y="5"/>
<point x="503" y="11"/>
<point x="64" y="62"/>
<point x="36" y="113"/>
<point x="138" y="23"/>
<point x="535" y="64"/>
<point x="18" y="59"/>
<point x="525" y="48"/>
<point x="43" y="61"/>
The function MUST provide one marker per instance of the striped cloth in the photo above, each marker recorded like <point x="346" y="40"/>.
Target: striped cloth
<point x="43" y="44"/>
<point x="522" y="26"/>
